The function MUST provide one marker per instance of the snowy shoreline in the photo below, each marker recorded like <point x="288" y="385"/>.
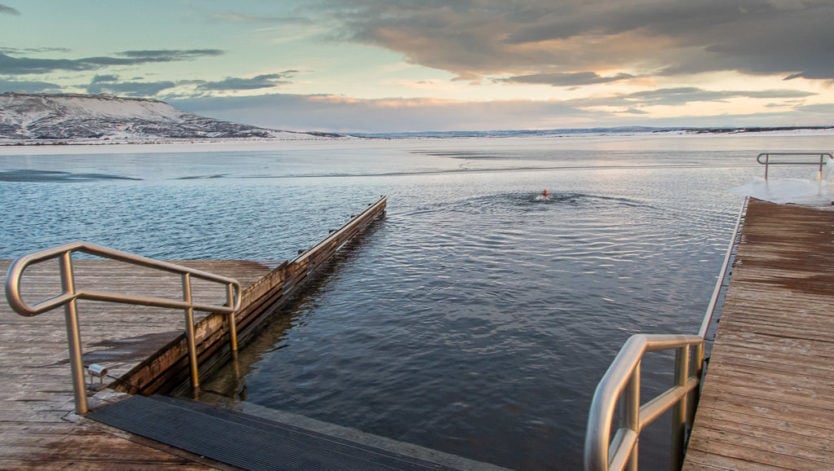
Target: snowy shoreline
<point x="87" y="146"/>
<point x="208" y="145"/>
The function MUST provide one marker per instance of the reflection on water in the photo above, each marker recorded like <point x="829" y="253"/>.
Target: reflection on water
<point x="475" y="318"/>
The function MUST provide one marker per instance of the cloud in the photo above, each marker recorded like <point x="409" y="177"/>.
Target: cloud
<point x="566" y="79"/>
<point x="477" y="38"/>
<point x="173" y="55"/>
<point x="632" y="103"/>
<point x="821" y="108"/>
<point x="109" y="84"/>
<point x="342" y="114"/>
<point x="28" y="86"/>
<point x="254" y="83"/>
<point x="775" y="94"/>
<point x="235" y="17"/>
<point x="7" y="10"/>
<point x="810" y="75"/>
<point x="105" y="78"/>
<point x="31" y="50"/>
<point x="21" y="66"/>
<point x="27" y="65"/>
<point x="683" y="95"/>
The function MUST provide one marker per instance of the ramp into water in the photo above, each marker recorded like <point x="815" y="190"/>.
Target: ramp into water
<point x="250" y="442"/>
<point x="768" y="398"/>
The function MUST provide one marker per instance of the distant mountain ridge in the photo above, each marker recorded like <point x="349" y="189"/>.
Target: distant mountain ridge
<point x="81" y="119"/>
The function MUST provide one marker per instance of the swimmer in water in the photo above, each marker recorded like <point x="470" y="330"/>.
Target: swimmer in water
<point x="546" y="194"/>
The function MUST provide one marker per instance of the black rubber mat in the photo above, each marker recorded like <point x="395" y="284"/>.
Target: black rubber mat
<point x="246" y="441"/>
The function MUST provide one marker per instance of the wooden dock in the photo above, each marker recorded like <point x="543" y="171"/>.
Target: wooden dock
<point x="140" y="346"/>
<point x="768" y="397"/>
<point x="38" y="429"/>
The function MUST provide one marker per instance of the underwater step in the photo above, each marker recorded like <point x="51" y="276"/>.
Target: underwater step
<point x="256" y="443"/>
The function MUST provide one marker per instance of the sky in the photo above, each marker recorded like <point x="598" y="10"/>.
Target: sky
<point x="408" y="65"/>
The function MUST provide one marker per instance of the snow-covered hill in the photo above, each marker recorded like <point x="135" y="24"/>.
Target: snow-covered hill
<point x="85" y="119"/>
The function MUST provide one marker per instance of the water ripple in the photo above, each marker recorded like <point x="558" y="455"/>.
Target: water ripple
<point x="475" y="318"/>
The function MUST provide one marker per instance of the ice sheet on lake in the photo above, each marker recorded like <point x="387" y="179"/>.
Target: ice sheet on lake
<point x="812" y="191"/>
<point x="787" y="190"/>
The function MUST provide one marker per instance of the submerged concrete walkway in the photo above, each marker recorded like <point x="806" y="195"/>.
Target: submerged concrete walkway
<point x="768" y="398"/>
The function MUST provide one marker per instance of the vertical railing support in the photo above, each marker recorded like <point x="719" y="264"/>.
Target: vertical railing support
<point x="822" y="162"/>
<point x="73" y="335"/>
<point x="695" y="395"/>
<point x="767" y="164"/>
<point x="230" y="298"/>
<point x="632" y="415"/>
<point x="189" y="331"/>
<point x="679" y="410"/>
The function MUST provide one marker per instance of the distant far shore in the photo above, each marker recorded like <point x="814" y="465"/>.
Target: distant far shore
<point x="159" y="147"/>
<point x="310" y="136"/>
<point x="623" y="130"/>
<point x="314" y="136"/>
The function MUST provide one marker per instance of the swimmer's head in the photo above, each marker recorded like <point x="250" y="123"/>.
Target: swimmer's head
<point x="545" y="192"/>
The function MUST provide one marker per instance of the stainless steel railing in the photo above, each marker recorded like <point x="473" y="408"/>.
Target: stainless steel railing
<point x="764" y="159"/>
<point x="621" y="382"/>
<point x="722" y="274"/>
<point x="623" y="379"/>
<point x="70" y="294"/>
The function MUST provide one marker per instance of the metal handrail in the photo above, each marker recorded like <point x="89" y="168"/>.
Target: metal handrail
<point x="725" y="267"/>
<point x="623" y="376"/>
<point x="70" y="295"/>
<point x="767" y="163"/>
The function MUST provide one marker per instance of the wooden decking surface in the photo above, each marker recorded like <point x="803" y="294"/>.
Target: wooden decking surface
<point x="37" y="427"/>
<point x="768" y="398"/>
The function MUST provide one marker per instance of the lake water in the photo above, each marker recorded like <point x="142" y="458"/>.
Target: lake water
<point x="474" y="318"/>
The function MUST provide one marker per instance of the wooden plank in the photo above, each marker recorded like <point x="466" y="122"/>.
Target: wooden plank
<point x="759" y="449"/>
<point x="708" y="461"/>
<point x="769" y="428"/>
<point x="768" y="398"/>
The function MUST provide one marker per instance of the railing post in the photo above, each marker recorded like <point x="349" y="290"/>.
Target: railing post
<point x="73" y="335"/>
<point x="189" y="331"/>
<point x="767" y="164"/>
<point x="819" y="174"/>
<point x="632" y="415"/>
<point x="230" y="300"/>
<point x="695" y="395"/>
<point x="679" y="413"/>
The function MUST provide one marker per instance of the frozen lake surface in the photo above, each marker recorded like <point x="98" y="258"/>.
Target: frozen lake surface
<point x="475" y="318"/>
